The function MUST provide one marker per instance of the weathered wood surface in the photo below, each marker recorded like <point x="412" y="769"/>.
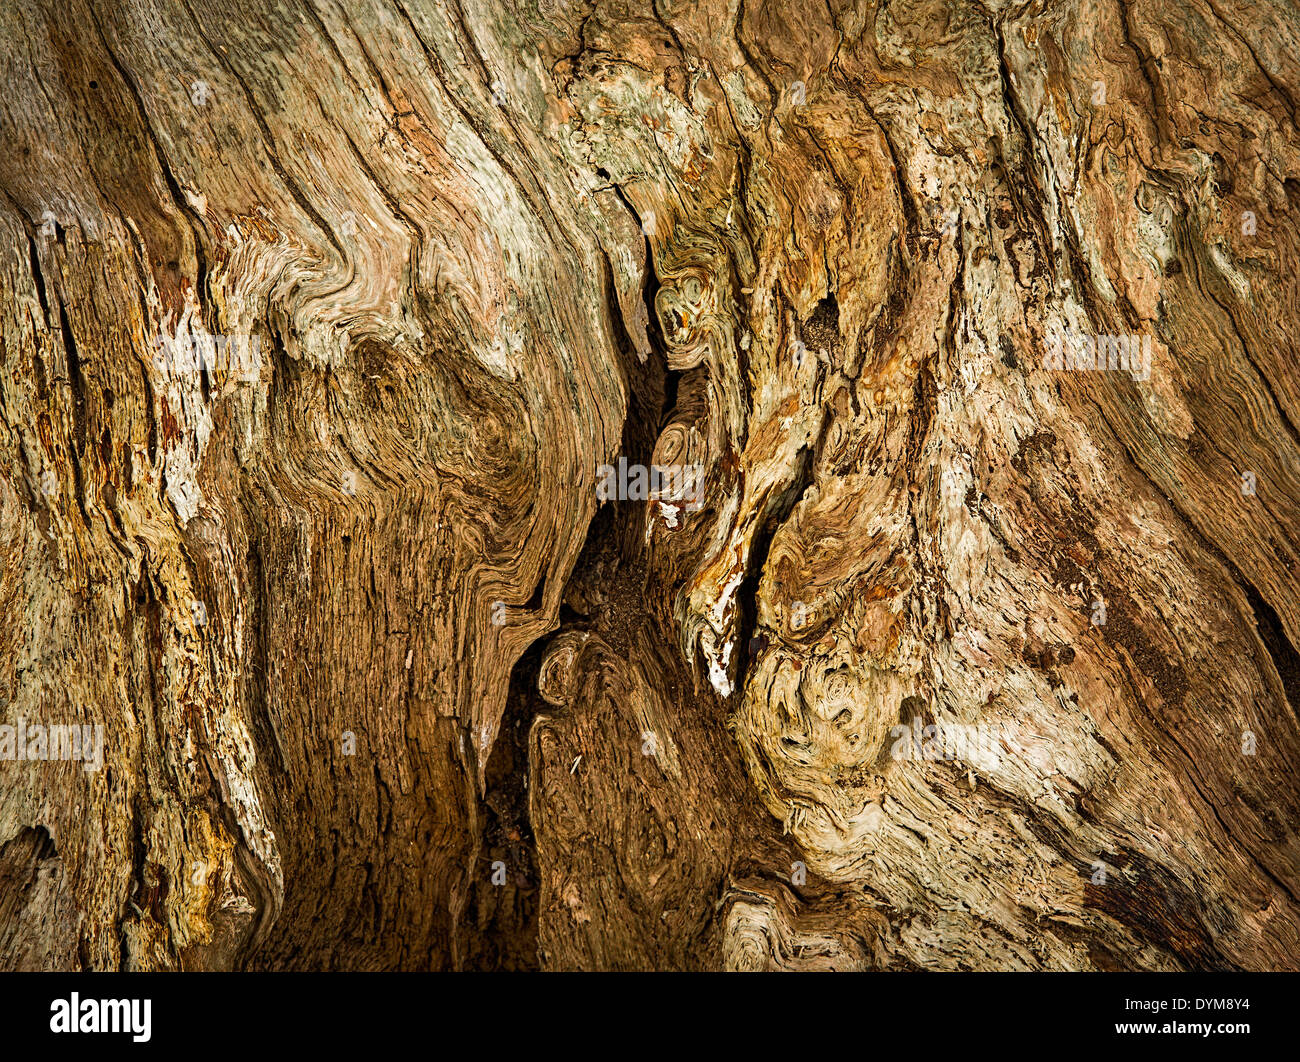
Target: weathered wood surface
<point x="821" y="250"/>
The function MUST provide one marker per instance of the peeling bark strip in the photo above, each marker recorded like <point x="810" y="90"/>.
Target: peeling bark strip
<point x="385" y="679"/>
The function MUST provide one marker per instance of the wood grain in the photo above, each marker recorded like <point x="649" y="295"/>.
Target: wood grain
<point x="385" y="684"/>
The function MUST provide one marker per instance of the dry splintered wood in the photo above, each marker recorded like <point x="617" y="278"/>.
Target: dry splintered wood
<point x="357" y="363"/>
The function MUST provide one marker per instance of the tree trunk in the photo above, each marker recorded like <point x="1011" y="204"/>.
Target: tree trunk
<point x="975" y="649"/>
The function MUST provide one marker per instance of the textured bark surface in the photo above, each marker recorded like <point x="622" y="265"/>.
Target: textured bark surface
<point x="383" y="680"/>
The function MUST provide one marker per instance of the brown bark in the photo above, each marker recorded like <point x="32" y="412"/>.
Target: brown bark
<point x="384" y="679"/>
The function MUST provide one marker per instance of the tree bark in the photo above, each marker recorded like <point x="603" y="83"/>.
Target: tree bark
<point x="972" y="654"/>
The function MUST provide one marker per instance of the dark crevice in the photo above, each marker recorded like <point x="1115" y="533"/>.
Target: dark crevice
<point x="1285" y="658"/>
<point x="503" y="919"/>
<point x="747" y="647"/>
<point x="75" y="379"/>
<point x="538" y="596"/>
<point x="77" y="382"/>
<point x="38" y="278"/>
